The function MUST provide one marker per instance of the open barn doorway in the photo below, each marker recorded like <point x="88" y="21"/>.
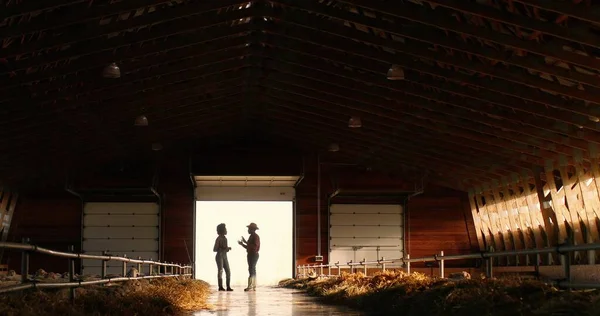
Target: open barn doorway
<point x="237" y="201"/>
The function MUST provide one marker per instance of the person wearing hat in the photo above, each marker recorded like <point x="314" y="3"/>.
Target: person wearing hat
<point x="222" y="249"/>
<point x="252" y="246"/>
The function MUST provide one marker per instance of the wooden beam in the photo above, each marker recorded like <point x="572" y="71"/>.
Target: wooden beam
<point x="313" y="97"/>
<point x="589" y="205"/>
<point x="202" y="11"/>
<point x="305" y="124"/>
<point x="479" y="230"/>
<point x="204" y="90"/>
<point x="493" y="203"/>
<point x="102" y="88"/>
<point x="84" y="71"/>
<point x="434" y="37"/>
<point x="558" y="205"/>
<point x="29" y="7"/>
<point x="71" y="156"/>
<point x="348" y="150"/>
<point x="485" y="11"/>
<point x="81" y="12"/>
<point x="530" y="216"/>
<point x="416" y="13"/>
<point x="287" y="127"/>
<point x="313" y="67"/>
<point x="135" y="87"/>
<point x="505" y="210"/>
<point x="315" y="80"/>
<point x="586" y="13"/>
<point x="6" y="216"/>
<point x="527" y="85"/>
<point x="549" y="220"/>
<point x="380" y="61"/>
<point x="125" y="130"/>
<point x="329" y="114"/>
<point x="449" y="164"/>
<point x="493" y="231"/>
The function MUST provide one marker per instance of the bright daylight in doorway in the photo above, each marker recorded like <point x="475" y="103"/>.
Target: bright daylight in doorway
<point x="274" y="219"/>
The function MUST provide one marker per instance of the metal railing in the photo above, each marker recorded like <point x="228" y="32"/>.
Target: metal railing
<point x="164" y="269"/>
<point x="563" y="250"/>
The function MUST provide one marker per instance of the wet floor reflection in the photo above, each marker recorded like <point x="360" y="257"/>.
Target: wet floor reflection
<point x="271" y="301"/>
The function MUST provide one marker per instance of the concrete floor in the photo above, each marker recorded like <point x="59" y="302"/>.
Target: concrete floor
<point x="270" y="301"/>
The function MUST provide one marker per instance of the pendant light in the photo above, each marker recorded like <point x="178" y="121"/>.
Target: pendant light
<point x="355" y="122"/>
<point x="141" y="120"/>
<point x="111" y="71"/>
<point x="333" y="147"/>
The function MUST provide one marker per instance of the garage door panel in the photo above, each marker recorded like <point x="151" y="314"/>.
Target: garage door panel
<point x="366" y="219"/>
<point x="121" y="232"/>
<point x="147" y="255"/>
<point x="357" y="230"/>
<point x="130" y="254"/>
<point x="365" y="209"/>
<point x="210" y="193"/>
<point x="366" y="231"/>
<point x="120" y="220"/>
<point x="121" y="208"/>
<point x="351" y="242"/>
<point x="371" y="254"/>
<point x="120" y="228"/>
<point x="120" y="245"/>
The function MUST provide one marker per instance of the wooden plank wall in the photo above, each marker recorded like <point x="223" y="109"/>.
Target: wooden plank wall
<point x="438" y="221"/>
<point x="539" y="209"/>
<point x="54" y="219"/>
<point x="51" y="220"/>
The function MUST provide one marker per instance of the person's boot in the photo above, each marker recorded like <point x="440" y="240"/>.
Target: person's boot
<point x="254" y="283"/>
<point x="229" y="289"/>
<point x="221" y="285"/>
<point x="249" y="288"/>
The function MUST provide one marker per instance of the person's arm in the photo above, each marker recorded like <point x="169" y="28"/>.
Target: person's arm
<point x="216" y="246"/>
<point x="225" y="244"/>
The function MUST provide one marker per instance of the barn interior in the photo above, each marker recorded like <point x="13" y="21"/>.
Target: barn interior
<point x="474" y="125"/>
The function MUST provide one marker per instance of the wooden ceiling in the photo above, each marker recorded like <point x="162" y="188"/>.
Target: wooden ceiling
<point x="491" y="87"/>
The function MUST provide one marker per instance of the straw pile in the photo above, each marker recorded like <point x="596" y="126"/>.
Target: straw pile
<point x="397" y="293"/>
<point x="169" y="296"/>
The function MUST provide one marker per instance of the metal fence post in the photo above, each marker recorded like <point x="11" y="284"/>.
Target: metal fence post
<point x="538" y="258"/>
<point x="124" y="266"/>
<point x="150" y="268"/>
<point x="321" y="271"/>
<point x="337" y="264"/>
<point x="104" y="263"/>
<point x="408" y="264"/>
<point x="139" y="266"/>
<point x="351" y="267"/>
<point x="382" y="264"/>
<point x="489" y="271"/>
<point x="25" y="263"/>
<point x="328" y="269"/>
<point x="365" y="264"/>
<point x="567" y="264"/>
<point x="71" y="274"/>
<point x="442" y="264"/>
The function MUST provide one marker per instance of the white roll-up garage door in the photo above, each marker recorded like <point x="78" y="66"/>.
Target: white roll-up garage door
<point x="130" y="229"/>
<point x="245" y="188"/>
<point x="370" y="231"/>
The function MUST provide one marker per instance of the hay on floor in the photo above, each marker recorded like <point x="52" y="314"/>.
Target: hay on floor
<point x="398" y="293"/>
<point x="169" y="296"/>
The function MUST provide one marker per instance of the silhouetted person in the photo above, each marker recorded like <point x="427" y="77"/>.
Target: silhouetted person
<point x="252" y="247"/>
<point x="222" y="249"/>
